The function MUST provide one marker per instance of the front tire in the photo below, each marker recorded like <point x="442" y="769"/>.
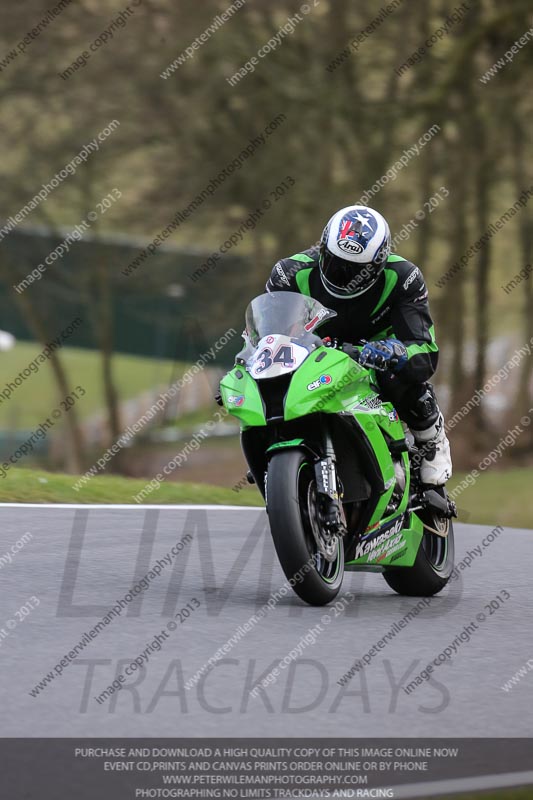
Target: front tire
<point x="433" y="564"/>
<point x="292" y="513"/>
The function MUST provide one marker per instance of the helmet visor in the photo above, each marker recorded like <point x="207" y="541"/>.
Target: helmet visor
<point x="345" y="278"/>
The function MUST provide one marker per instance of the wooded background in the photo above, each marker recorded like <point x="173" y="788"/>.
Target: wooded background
<point x="347" y="117"/>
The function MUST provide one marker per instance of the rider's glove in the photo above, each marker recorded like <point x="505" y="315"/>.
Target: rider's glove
<point x="384" y="354"/>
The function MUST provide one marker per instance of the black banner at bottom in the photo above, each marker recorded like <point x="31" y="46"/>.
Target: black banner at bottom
<point x="127" y="769"/>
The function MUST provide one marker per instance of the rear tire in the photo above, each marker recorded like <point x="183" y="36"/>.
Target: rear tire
<point x="291" y="489"/>
<point x="433" y="564"/>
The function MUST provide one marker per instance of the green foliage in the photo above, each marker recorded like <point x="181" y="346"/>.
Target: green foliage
<point x="343" y="129"/>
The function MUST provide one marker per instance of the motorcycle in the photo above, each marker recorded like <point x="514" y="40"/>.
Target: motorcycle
<point x="339" y="474"/>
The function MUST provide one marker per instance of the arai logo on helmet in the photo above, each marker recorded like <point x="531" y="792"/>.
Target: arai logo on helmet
<point x="349" y="246"/>
<point x="355" y="231"/>
<point x="322" y="381"/>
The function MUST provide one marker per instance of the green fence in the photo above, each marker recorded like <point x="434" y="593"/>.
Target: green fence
<point x="161" y="309"/>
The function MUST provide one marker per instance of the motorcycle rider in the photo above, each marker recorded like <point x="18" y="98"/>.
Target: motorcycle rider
<point x="381" y="298"/>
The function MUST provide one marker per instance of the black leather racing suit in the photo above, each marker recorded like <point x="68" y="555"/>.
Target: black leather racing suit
<point x="396" y="306"/>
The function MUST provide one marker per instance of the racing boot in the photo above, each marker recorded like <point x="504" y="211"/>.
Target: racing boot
<point x="436" y="464"/>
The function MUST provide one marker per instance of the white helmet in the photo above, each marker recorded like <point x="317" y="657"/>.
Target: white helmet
<point x="354" y="249"/>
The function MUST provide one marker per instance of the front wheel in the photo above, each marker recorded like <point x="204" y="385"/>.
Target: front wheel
<point x="312" y="561"/>
<point x="433" y="563"/>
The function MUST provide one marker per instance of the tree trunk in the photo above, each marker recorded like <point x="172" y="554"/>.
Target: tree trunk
<point x="452" y="308"/>
<point x="483" y="180"/>
<point x="37" y="325"/>
<point x="104" y="332"/>
<point x="523" y="397"/>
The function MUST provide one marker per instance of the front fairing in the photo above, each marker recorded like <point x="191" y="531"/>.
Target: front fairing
<point x="280" y="341"/>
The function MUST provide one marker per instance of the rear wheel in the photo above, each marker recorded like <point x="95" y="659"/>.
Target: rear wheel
<point x="434" y="561"/>
<point x="312" y="559"/>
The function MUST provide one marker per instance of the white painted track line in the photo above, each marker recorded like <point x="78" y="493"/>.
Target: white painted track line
<point x="125" y="507"/>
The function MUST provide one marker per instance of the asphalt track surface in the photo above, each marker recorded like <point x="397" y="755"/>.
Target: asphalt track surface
<point x="81" y="560"/>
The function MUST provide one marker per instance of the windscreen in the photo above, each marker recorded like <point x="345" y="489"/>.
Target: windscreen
<point x="285" y="313"/>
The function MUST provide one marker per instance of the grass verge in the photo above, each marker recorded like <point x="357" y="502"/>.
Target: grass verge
<point x="133" y="374"/>
<point x="498" y="498"/>
<point x="36" y="486"/>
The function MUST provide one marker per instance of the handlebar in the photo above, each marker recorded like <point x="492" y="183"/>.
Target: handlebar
<point x="351" y="350"/>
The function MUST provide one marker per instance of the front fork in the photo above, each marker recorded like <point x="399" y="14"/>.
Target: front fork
<point x="329" y="493"/>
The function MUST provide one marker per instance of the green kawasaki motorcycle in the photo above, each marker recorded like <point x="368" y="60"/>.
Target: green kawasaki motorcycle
<point x="339" y="476"/>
